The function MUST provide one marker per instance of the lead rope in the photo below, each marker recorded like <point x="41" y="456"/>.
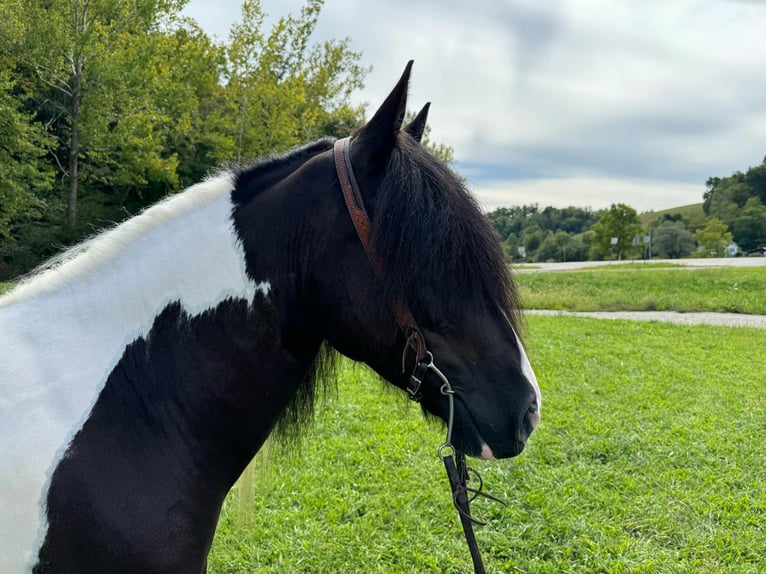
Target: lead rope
<point x="457" y="473"/>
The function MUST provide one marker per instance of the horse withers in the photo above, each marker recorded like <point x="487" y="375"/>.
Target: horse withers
<point x="142" y="370"/>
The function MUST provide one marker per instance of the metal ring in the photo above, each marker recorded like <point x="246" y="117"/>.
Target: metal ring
<point x="447" y="447"/>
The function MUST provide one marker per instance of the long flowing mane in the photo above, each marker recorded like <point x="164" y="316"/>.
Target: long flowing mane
<point x="427" y="225"/>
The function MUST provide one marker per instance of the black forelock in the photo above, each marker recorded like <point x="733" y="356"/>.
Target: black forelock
<point x="439" y="253"/>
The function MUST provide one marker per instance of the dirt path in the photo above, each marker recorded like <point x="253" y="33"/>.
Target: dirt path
<point x="724" y="319"/>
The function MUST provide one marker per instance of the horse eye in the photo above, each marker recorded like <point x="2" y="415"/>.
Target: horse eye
<point x="442" y="328"/>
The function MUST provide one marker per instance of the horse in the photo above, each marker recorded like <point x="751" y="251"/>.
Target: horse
<point x="142" y="370"/>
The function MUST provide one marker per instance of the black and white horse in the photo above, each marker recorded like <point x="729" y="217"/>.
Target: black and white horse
<point x="141" y="372"/>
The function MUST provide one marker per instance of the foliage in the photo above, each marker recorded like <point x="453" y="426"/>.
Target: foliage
<point x="735" y="200"/>
<point x="749" y="228"/>
<point x="671" y="240"/>
<point x="637" y="287"/>
<point x="620" y="221"/>
<point x="557" y="232"/>
<point x="648" y="459"/>
<point x="25" y="178"/>
<point x="285" y="90"/>
<point x="138" y="102"/>
<point x="713" y="238"/>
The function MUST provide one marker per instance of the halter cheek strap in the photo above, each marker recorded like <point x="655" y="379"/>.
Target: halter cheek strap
<point x="405" y="320"/>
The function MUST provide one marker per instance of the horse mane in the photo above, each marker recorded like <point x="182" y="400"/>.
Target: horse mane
<point x="425" y="226"/>
<point x="265" y="171"/>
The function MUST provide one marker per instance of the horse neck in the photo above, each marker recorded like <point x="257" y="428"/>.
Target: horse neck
<point x="175" y="277"/>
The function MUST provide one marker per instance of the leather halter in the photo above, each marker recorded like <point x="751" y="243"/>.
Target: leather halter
<point x="454" y="461"/>
<point x="405" y="320"/>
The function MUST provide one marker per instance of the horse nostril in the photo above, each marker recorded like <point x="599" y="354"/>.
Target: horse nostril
<point x="533" y="414"/>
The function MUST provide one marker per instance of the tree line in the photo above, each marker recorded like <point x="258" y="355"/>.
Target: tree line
<point x="733" y="212"/>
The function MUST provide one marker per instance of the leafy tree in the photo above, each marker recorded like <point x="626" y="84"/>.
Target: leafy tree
<point x="554" y="247"/>
<point x="24" y="175"/>
<point x="139" y="101"/>
<point x="89" y="59"/>
<point x="285" y="90"/>
<point x="749" y="228"/>
<point x="713" y="238"/>
<point x="531" y="227"/>
<point x="620" y="221"/>
<point x="671" y="240"/>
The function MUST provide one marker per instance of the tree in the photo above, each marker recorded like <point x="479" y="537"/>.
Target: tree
<point x="284" y="89"/>
<point x="713" y="238"/>
<point x="24" y="175"/>
<point x="749" y="228"/>
<point x="89" y="57"/>
<point x="619" y="221"/>
<point x="671" y="240"/>
<point x="140" y="102"/>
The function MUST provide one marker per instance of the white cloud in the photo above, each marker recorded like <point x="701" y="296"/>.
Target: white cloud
<point x="606" y="90"/>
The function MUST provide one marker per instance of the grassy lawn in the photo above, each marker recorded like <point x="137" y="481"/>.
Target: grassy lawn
<point x="649" y="459"/>
<point x="734" y="290"/>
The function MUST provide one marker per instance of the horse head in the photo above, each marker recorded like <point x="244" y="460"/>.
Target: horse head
<point x="430" y="251"/>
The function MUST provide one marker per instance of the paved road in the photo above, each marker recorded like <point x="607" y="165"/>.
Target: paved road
<point x="725" y="319"/>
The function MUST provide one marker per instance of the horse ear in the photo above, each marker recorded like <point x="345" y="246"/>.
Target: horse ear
<point x="417" y="126"/>
<point x="373" y="145"/>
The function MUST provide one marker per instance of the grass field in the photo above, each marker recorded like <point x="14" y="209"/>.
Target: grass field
<point x="633" y="288"/>
<point x="649" y="459"/>
<point x="693" y="213"/>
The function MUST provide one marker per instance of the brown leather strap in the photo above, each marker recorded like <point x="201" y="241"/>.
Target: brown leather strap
<point x="361" y="220"/>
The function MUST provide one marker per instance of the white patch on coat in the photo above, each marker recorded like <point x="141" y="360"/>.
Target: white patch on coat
<point x="529" y="374"/>
<point x="63" y="331"/>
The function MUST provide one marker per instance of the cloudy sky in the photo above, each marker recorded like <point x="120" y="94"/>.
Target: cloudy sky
<point x="566" y="102"/>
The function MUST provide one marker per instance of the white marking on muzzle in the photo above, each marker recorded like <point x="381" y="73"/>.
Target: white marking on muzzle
<point x="526" y="370"/>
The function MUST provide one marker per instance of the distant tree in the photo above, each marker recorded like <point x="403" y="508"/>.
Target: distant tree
<point x="727" y="197"/>
<point x="554" y="247"/>
<point x="619" y="221"/>
<point x="671" y="240"/>
<point x="749" y="228"/>
<point x="713" y="238"/>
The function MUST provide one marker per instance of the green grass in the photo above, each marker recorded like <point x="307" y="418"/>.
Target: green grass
<point x="693" y="213"/>
<point x="649" y="459"/>
<point x="633" y="288"/>
<point x="4" y="287"/>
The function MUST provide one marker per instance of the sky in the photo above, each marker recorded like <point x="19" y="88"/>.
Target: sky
<point x="564" y="102"/>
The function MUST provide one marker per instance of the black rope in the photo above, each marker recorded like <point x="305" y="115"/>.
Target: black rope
<point x="457" y="482"/>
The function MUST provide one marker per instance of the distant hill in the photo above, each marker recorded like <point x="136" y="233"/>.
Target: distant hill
<point x="692" y="213"/>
